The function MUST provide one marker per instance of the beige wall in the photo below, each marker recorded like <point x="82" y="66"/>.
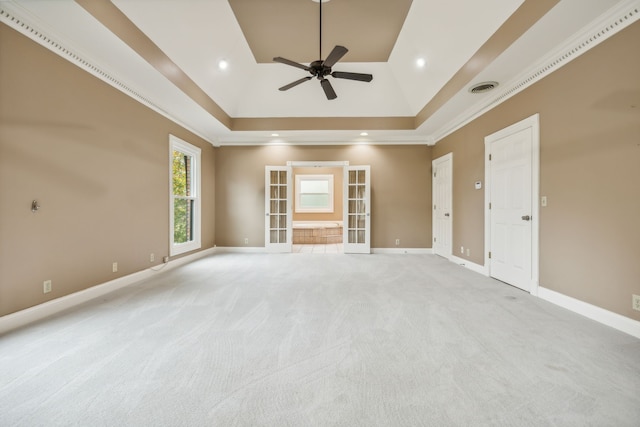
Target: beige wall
<point x="589" y="170"/>
<point x="400" y="190"/>
<point x="337" y="213"/>
<point x="96" y="160"/>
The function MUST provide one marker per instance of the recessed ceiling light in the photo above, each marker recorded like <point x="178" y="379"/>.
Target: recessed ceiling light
<point x="364" y="134"/>
<point x="421" y="62"/>
<point x="275" y="134"/>
<point x="223" y="64"/>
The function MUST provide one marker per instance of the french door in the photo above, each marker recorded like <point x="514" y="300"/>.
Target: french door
<point x="357" y="209"/>
<point x="278" y="209"/>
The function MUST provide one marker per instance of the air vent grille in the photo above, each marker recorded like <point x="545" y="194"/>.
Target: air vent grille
<point x="483" y="87"/>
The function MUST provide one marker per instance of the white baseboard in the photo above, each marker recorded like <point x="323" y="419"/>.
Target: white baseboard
<point x="241" y="250"/>
<point x="410" y="251"/>
<point x="606" y="317"/>
<point x="481" y="269"/>
<point x="262" y="250"/>
<point x="32" y="314"/>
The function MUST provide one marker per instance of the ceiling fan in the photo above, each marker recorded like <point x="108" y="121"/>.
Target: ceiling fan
<point x="321" y="69"/>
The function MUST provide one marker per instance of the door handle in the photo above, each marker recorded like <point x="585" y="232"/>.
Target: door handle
<point x="267" y="214"/>
<point x="526" y="217"/>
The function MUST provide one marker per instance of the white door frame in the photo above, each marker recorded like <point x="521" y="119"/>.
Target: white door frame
<point x="532" y="122"/>
<point x="434" y="164"/>
<point x="357" y="247"/>
<point x="277" y="247"/>
<point x="309" y="164"/>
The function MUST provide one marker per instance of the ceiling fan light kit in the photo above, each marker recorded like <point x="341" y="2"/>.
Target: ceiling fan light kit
<point x="321" y="69"/>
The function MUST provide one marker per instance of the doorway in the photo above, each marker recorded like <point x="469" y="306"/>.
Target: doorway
<point x="355" y="220"/>
<point x="511" y="195"/>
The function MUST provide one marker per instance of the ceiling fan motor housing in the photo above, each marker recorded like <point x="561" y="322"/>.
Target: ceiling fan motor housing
<point x="319" y="70"/>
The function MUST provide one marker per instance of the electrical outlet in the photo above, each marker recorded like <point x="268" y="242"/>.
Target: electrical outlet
<point x="636" y="302"/>
<point x="397" y="242"/>
<point x="543" y="201"/>
<point x="462" y="250"/>
<point x="468" y="252"/>
<point x="152" y="257"/>
<point x="114" y="267"/>
<point x="165" y="259"/>
<point x="46" y="286"/>
<point x="246" y="240"/>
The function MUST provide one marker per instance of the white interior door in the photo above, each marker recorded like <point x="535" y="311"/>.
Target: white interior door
<point x="357" y="209"/>
<point x="512" y="211"/>
<point x="442" y="205"/>
<point x="278" y="225"/>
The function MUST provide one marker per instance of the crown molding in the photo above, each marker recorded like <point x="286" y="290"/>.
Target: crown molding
<point x="19" y="21"/>
<point x="599" y="30"/>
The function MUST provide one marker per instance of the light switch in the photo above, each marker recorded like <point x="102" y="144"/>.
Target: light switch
<point x="543" y="201"/>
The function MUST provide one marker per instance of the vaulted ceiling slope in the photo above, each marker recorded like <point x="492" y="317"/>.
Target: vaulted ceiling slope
<point x="167" y="54"/>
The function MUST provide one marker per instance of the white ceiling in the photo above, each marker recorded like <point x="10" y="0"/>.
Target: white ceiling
<point x="196" y="34"/>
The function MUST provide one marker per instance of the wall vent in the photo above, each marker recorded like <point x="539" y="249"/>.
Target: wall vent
<point x="483" y="87"/>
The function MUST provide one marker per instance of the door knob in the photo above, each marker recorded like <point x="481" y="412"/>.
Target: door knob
<point x="447" y="214"/>
<point x="526" y="217"/>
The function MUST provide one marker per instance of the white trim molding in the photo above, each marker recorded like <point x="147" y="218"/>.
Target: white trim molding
<point x="606" y="317"/>
<point x="605" y="26"/>
<point x="480" y="269"/>
<point x="16" y="20"/>
<point x="241" y="250"/>
<point x="407" y="251"/>
<point x="24" y="317"/>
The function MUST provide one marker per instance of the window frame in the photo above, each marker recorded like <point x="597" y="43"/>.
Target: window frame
<point x="305" y="177"/>
<point x="176" y="144"/>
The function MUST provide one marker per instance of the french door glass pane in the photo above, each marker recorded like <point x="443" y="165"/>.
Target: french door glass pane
<point x="275" y="192"/>
<point x="352" y="192"/>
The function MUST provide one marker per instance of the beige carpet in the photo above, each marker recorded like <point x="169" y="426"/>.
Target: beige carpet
<point x="319" y="340"/>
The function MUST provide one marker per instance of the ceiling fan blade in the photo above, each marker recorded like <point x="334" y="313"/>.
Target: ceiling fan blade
<point x="296" y="83"/>
<point x="289" y="62"/>
<point x="328" y="89"/>
<point x="352" y="76"/>
<point x="335" y="55"/>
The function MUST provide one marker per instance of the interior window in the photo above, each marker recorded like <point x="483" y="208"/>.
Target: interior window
<point x="314" y="193"/>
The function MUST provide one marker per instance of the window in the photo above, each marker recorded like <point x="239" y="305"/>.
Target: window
<point x="314" y="193"/>
<point x="185" y="197"/>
